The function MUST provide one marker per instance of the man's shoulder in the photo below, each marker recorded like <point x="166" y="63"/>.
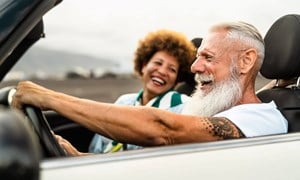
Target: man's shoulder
<point x="253" y="109"/>
<point x="256" y="119"/>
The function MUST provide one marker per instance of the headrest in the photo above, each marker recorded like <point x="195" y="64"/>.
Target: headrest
<point x="282" y="49"/>
<point x="197" y="41"/>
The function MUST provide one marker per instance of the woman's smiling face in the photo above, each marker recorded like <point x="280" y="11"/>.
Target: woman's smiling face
<point x="160" y="73"/>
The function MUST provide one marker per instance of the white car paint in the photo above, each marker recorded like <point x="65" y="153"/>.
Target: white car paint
<point x="270" y="157"/>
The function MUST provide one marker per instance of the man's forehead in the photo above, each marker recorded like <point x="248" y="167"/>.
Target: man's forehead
<point x="213" y="41"/>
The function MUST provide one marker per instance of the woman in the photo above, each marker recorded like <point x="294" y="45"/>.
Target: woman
<point x="162" y="59"/>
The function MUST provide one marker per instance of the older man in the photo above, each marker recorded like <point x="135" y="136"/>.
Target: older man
<point x="224" y="105"/>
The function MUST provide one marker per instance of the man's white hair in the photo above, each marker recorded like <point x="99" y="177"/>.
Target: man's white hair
<point x="246" y="34"/>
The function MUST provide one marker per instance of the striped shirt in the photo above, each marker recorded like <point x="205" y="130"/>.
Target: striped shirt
<point x="171" y="101"/>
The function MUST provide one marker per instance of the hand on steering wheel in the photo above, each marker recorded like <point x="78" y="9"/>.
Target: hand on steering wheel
<point x="40" y="124"/>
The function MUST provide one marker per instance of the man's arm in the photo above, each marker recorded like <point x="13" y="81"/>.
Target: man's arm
<point x="147" y="126"/>
<point x="224" y="128"/>
<point x="144" y="126"/>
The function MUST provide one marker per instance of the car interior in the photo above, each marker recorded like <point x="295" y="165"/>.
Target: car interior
<point x="21" y="150"/>
<point x="282" y="61"/>
<point x="22" y="27"/>
<point x="282" y="55"/>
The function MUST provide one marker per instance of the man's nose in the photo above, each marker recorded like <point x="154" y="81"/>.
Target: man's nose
<point x="198" y="66"/>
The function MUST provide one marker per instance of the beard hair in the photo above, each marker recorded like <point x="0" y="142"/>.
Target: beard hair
<point x="223" y="95"/>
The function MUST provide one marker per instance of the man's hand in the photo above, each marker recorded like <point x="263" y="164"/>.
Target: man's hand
<point x="30" y="93"/>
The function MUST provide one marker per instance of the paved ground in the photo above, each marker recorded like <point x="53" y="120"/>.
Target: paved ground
<point x="106" y="90"/>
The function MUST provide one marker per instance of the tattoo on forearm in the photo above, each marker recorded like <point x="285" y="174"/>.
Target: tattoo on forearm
<point x="222" y="128"/>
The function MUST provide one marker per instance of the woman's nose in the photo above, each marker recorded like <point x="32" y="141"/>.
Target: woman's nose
<point x="162" y="70"/>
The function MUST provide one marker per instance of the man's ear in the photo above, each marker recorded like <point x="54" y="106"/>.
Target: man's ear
<point x="248" y="60"/>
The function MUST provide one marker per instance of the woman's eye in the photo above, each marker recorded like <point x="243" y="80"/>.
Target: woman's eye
<point x="173" y="70"/>
<point x="157" y="62"/>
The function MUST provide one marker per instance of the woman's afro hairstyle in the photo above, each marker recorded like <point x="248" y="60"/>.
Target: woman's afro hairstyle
<point x="174" y="43"/>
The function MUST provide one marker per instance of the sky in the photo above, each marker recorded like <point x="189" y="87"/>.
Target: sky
<point x="112" y="28"/>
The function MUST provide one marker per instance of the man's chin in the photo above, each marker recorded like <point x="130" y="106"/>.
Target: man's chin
<point x="208" y="102"/>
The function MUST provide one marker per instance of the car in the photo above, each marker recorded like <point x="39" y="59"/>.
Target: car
<point x="39" y="156"/>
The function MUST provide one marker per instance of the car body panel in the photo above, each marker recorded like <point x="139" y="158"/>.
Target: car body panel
<point x="253" y="158"/>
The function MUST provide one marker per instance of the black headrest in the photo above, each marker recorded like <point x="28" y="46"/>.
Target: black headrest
<point x="282" y="49"/>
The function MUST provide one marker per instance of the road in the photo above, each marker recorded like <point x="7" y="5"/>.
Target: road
<point x="105" y="90"/>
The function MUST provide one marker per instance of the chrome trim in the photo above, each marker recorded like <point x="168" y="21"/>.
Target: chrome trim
<point x="298" y="82"/>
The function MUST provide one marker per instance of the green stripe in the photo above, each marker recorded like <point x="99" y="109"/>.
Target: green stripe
<point x="176" y="99"/>
<point x="157" y="101"/>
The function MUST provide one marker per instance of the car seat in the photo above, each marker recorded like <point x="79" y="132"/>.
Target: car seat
<point x="188" y="85"/>
<point x="282" y="61"/>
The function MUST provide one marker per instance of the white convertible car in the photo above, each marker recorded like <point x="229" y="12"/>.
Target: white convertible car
<point x="28" y="149"/>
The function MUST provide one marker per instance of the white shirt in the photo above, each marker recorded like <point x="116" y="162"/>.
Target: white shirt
<point x="257" y="119"/>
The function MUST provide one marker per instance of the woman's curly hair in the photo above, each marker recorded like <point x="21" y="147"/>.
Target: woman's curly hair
<point x="174" y="43"/>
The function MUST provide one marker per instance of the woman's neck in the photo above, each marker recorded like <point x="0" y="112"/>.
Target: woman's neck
<point x="146" y="97"/>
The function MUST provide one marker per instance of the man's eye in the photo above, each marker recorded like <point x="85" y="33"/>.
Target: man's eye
<point x="207" y="56"/>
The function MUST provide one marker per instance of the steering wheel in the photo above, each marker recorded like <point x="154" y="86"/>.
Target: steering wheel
<point x="39" y="122"/>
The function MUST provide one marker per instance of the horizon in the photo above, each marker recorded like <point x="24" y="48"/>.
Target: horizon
<point x="112" y="29"/>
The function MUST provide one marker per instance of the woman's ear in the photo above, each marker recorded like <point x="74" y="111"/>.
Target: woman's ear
<point x="248" y="60"/>
<point x="143" y="68"/>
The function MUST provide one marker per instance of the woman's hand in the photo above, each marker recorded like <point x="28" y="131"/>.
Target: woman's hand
<point x="68" y="147"/>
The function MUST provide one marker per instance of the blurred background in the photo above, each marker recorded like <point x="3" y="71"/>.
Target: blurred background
<point x="96" y="39"/>
<point x="101" y="36"/>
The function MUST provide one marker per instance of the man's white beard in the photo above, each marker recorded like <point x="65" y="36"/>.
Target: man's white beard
<point x="223" y="96"/>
